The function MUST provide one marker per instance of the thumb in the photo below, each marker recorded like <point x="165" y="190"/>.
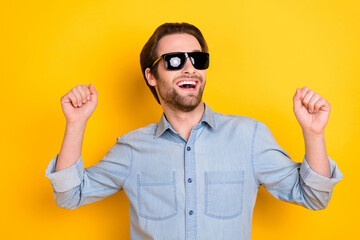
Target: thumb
<point x="297" y="100"/>
<point x="92" y="89"/>
<point x="93" y="92"/>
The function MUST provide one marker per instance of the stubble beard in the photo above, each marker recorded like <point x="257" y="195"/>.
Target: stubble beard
<point x="178" y="102"/>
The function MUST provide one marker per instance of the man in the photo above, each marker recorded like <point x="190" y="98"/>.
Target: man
<point x="195" y="174"/>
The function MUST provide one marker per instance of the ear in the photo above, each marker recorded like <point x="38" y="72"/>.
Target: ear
<point x="150" y="78"/>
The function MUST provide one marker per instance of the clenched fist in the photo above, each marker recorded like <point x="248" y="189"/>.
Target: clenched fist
<point x="311" y="110"/>
<point x="79" y="103"/>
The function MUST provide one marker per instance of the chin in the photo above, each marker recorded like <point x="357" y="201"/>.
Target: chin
<point x="188" y="106"/>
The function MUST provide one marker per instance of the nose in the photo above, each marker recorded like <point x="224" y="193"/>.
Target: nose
<point x="188" y="68"/>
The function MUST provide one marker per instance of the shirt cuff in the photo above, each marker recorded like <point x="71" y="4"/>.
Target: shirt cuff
<point x="317" y="181"/>
<point x="67" y="178"/>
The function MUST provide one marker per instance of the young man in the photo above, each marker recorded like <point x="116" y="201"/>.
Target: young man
<point x="196" y="173"/>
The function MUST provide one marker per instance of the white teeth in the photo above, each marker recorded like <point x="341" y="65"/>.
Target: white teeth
<point x="186" y="82"/>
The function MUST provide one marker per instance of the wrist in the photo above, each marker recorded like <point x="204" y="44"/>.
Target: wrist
<point x="75" y="125"/>
<point x="313" y="134"/>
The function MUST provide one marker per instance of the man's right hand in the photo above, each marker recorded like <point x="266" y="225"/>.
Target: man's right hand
<point x="79" y="103"/>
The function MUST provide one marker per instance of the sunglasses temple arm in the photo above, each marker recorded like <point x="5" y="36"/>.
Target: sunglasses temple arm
<point x="156" y="61"/>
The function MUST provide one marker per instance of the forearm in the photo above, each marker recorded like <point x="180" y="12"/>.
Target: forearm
<point x="71" y="147"/>
<point x="315" y="153"/>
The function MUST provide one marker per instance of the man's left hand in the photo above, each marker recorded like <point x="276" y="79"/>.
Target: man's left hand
<point x="311" y="110"/>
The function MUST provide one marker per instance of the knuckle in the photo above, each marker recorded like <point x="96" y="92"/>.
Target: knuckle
<point x="78" y="88"/>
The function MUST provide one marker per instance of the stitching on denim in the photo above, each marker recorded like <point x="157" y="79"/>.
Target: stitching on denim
<point x="195" y="192"/>
<point x="252" y="154"/>
<point x="159" y="218"/>
<point x="140" y="184"/>
<point x="224" y="217"/>
<point x="173" y="180"/>
<point x="206" y="194"/>
<point x="131" y="165"/>
<point x="207" y="183"/>
<point x="138" y="193"/>
<point x="288" y="195"/>
<point x="80" y="172"/>
<point x="97" y="191"/>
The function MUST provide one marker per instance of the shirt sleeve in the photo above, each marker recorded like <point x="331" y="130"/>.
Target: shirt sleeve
<point x="75" y="186"/>
<point x="287" y="180"/>
<point x="65" y="179"/>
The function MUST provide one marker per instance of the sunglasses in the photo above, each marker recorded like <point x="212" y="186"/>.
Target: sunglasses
<point x="176" y="61"/>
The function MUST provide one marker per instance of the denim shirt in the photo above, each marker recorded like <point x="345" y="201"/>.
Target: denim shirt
<point x="203" y="188"/>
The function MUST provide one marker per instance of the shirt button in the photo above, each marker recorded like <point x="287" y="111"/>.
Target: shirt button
<point x="188" y="148"/>
<point x="191" y="212"/>
<point x="189" y="180"/>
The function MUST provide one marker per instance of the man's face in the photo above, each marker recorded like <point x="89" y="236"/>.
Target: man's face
<point x="170" y="84"/>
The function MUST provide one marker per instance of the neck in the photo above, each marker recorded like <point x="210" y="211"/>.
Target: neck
<point x="183" y="122"/>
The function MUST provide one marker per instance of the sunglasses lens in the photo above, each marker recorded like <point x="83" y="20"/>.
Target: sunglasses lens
<point x="176" y="61"/>
<point x="200" y="60"/>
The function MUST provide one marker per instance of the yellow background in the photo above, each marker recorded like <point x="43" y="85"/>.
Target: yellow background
<point x="261" y="51"/>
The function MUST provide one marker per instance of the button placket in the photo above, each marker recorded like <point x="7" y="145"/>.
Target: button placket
<point x="190" y="188"/>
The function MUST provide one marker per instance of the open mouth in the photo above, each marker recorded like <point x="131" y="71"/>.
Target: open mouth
<point x="187" y="84"/>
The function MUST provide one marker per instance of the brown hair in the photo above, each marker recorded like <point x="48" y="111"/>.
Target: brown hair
<point x="149" y="54"/>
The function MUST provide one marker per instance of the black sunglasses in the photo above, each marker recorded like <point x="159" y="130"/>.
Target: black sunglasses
<point x="176" y="61"/>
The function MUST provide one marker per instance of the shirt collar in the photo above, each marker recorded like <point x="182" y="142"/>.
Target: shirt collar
<point x="208" y="117"/>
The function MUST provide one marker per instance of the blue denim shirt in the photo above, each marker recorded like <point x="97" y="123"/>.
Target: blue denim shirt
<point x="203" y="188"/>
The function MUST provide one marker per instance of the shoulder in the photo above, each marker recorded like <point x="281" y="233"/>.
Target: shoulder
<point x="233" y="125"/>
<point x="245" y="127"/>
<point x="139" y="134"/>
<point x="234" y="120"/>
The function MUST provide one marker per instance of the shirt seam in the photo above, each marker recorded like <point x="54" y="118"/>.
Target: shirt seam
<point x="91" y="193"/>
<point x="252" y="154"/>
<point x="288" y="195"/>
<point x="131" y="165"/>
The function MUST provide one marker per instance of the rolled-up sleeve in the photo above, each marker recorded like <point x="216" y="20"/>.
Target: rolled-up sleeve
<point x="287" y="180"/>
<point x="317" y="181"/>
<point x="75" y="186"/>
<point x="67" y="178"/>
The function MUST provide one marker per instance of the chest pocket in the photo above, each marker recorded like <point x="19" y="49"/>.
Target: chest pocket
<point x="224" y="194"/>
<point x="156" y="195"/>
